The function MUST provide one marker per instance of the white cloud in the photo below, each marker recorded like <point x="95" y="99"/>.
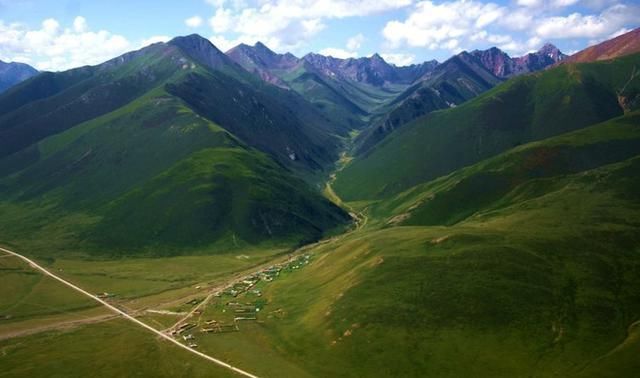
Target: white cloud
<point x="546" y="3"/>
<point x="154" y="39"/>
<point x="193" y="22"/>
<point x="518" y="27"/>
<point x="338" y="53"/>
<point x="313" y="26"/>
<point x="399" y="59"/>
<point x="534" y="43"/>
<point x="577" y="25"/>
<point x="354" y="43"/>
<point x="564" y="3"/>
<point x="80" y="24"/>
<point x="351" y="51"/>
<point x="289" y="23"/>
<point x="54" y="47"/>
<point x="618" y="33"/>
<point x="438" y="25"/>
<point x="222" y="20"/>
<point x="530" y="3"/>
<point x="498" y="39"/>
<point x="518" y="19"/>
<point x="224" y="44"/>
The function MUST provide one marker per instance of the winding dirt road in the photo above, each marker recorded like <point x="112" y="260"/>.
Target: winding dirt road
<point x="129" y="317"/>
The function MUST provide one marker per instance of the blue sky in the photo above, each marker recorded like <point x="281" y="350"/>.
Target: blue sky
<point x="62" y="34"/>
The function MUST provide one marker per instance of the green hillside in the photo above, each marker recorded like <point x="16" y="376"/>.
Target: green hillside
<point x="329" y="99"/>
<point x="539" y="281"/>
<point x="138" y="178"/>
<point x="201" y="157"/>
<point x="517" y="176"/>
<point x="53" y="102"/>
<point x="524" y="109"/>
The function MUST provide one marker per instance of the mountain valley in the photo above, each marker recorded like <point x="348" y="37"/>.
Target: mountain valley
<point x="323" y="217"/>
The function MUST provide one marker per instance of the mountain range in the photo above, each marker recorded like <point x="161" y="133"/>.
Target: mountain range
<point x="108" y="139"/>
<point x="14" y="73"/>
<point x="474" y="217"/>
<point x="503" y="66"/>
<point x="272" y="113"/>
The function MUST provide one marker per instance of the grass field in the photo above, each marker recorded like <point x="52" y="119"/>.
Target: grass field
<point x="111" y="349"/>
<point x="26" y="294"/>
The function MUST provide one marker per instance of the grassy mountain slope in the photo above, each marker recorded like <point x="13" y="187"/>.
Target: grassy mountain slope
<point x="275" y="121"/>
<point x="53" y="102"/>
<point x="517" y="176"/>
<point x="229" y="194"/>
<point x="325" y="95"/>
<point x="263" y="117"/>
<point x="524" y="109"/>
<point x="140" y="177"/>
<point x="199" y="157"/>
<point x="541" y="281"/>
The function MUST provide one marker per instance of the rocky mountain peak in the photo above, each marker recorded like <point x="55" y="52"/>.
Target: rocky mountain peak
<point x="201" y="50"/>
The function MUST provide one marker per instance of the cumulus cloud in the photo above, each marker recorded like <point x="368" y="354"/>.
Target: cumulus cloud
<point x="222" y="20"/>
<point x="52" y="47"/>
<point x="288" y="23"/>
<point x="577" y="25"/>
<point x="563" y="3"/>
<point x="193" y="22"/>
<point x="399" y="59"/>
<point x="154" y="39"/>
<point x="351" y="51"/>
<point x="439" y="26"/>
<point x="546" y="3"/>
<point x="517" y="27"/>
<point x="225" y="44"/>
<point x="80" y="24"/>
<point x="519" y="19"/>
<point x="530" y="3"/>
<point x="355" y="42"/>
<point x="338" y="53"/>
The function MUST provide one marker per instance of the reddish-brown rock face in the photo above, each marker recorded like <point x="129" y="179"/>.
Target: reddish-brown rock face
<point x="625" y="44"/>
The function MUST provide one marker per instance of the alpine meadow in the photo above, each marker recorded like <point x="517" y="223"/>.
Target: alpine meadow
<point x="232" y="197"/>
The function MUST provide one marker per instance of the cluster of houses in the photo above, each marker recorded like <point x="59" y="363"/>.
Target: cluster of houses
<point x="240" y="311"/>
<point x="267" y="274"/>
<point x="213" y="326"/>
<point x="183" y="330"/>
